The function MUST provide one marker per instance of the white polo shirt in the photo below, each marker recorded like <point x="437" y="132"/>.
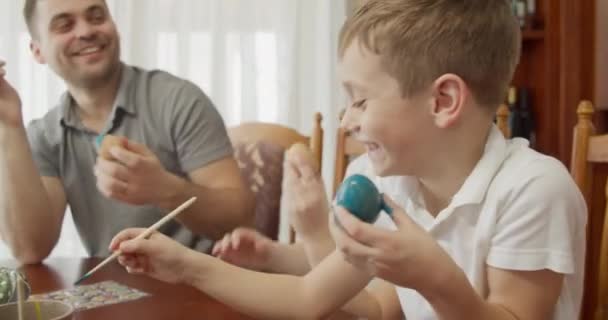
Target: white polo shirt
<point x="518" y="210"/>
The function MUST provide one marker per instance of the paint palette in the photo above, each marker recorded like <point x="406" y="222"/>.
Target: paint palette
<point x="94" y="295"/>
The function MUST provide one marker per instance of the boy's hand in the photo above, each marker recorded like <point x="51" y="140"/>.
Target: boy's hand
<point x="245" y="248"/>
<point x="159" y="256"/>
<point x="406" y="257"/>
<point x="307" y="202"/>
<point x="136" y="176"/>
<point x="10" y="104"/>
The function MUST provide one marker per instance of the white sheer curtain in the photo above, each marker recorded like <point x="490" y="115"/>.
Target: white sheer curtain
<point x="259" y="60"/>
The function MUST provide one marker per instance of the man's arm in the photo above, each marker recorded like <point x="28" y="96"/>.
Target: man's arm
<point x="512" y="295"/>
<point x="223" y="201"/>
<point x="31" y="208"/>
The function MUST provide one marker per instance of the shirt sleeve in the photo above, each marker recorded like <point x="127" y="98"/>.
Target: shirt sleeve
<point x="542" y="223"/>
<point x="199" y="132"/>
<point x="45" y="156"/>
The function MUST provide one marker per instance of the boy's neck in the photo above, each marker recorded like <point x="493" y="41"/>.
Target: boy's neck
<point x="453" y="164"/>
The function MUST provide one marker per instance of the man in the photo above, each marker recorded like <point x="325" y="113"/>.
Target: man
<point x="177" y="147"/>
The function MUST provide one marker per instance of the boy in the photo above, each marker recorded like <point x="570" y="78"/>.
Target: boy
<point x="482" y="228"/>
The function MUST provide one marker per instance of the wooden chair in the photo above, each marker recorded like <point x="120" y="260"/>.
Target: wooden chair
<point x="259" y="150"/>
<point x="280" y="135"/>
<point x="347" y="148"/>
<point x="284" y="137"/>
<point x="588" y="168"/>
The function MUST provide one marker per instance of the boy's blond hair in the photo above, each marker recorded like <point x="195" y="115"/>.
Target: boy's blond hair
<point x="420" y="40"/>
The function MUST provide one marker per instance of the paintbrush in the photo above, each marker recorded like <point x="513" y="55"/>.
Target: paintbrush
<point x="19" y="299"/>
<point x="143" y="235"/>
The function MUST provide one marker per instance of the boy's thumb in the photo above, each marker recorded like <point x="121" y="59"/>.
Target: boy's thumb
<point x="396" y="212"/>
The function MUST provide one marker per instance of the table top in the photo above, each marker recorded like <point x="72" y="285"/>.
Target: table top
<point x="165" y="301"/>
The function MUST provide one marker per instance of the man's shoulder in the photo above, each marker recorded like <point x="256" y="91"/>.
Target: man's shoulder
<point x="163" y="82"/>
<point x="48" y="128"/>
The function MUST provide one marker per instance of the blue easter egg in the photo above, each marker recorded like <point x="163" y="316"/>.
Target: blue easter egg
<point x="359" y="195"/>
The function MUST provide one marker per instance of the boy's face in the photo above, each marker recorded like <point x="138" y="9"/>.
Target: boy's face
<point x="77" y="38"/>
<point x="396" y="131"/>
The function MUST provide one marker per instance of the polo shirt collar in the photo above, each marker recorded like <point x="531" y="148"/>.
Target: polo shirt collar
<point x="474" y="189"/>
<point x="70" y="118"/>
<point x="476" y="184"/>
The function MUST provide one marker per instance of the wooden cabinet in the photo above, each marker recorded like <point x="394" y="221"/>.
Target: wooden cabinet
<point x="600" y="37"/>
<point x="564" y="61"/>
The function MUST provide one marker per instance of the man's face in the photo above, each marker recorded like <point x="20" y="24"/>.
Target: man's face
<point x="77" y="39"/>
<point x="395" y="131"/>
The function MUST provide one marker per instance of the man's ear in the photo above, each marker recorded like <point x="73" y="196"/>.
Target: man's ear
<point x="449" y="95"/>
<point x="35" y="49"/>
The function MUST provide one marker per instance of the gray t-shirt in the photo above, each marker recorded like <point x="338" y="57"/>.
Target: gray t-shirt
<point x="171" y="116"/>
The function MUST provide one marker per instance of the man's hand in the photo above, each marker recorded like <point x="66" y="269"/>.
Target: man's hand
<point x="135" y="176"/>
<point x="10" y="104"/>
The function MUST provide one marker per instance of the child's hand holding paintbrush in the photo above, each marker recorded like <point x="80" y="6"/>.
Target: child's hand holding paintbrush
<point x="157" y="256"/>
<point x="137" y="235"/>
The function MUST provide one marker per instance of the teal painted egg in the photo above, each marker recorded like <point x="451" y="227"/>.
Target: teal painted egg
<point x="359" y="196"/>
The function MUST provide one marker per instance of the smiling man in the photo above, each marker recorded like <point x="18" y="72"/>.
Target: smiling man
<point x="177" y="144"/>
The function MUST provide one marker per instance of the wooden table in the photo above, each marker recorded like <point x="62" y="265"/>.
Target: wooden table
<point x="165" y="301"/>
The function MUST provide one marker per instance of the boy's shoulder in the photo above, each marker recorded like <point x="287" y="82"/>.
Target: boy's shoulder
<point x="523" y="165"/>
<point x="528" y="176"/>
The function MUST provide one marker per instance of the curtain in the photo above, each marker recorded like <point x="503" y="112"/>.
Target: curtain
<point x="258" y="60"/>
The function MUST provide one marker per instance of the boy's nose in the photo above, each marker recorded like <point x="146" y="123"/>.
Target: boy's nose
<point x="350" y="120"/>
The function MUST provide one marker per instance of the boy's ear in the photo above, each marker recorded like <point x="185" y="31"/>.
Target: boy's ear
<point x="35" y="49"/>
<point x="449" y="93"/>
